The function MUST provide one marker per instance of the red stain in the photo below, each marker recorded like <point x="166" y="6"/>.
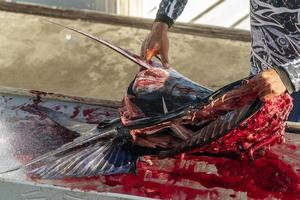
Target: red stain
<point x="201" y="177"/>
<point x="38" y="98"/>
<point x="35" y="136"/>
<point x="66" y="97"/>
<point x="89" y="113"/>
<point x="95" y="115"/>
<point x="40" y="94"/>
<point x="291" y="147"/>
<point x="76" y="112"/>
<point x="56" y="107"/>
<point x="186" y="177"/>
<point x="253" y="136"/>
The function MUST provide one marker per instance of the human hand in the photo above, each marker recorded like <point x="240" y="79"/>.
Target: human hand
<point x="268" y="84"/>
<point x="157" y="42"/>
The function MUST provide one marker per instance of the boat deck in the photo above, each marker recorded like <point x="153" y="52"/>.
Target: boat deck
<point x="26" y="134"/>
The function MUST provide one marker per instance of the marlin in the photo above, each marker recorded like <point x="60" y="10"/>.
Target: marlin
<point x="165" y="114"/>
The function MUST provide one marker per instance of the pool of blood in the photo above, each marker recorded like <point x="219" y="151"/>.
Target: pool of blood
<point x="275" y="175"/>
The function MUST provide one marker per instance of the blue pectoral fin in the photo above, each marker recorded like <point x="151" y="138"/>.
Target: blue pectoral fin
<point x="95" y="152"/>
<point x="102" y="158"/>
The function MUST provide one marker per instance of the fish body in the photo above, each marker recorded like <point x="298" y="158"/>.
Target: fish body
<point x="166" y="114"/>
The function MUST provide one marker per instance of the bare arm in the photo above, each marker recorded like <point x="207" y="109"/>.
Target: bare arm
<point x="157" y="41"/>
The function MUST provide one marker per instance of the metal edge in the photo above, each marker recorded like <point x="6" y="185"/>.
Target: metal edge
<point x="60" y="97"/>
<point x="141" y="23"/>
<point x="54" y="189"/>
<point x="292" y="127"/>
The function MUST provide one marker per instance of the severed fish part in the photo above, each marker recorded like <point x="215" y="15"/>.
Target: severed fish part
<point x="165" y="113"/>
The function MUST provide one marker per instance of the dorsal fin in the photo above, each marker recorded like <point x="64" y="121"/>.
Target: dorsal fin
<point x="133" y="57"/>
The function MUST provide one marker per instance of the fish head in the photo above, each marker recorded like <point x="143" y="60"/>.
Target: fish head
<point x="152" y="85"/>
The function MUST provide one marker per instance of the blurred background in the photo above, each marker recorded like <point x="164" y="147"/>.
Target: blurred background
<point x="35" y="54"/>
<point x="225" y="13"/>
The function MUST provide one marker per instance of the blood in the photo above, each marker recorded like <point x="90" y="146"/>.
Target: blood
<point x="92" y="116"/>
<point x="88" y="113"/>
<point x="231" y="100"/>
<point x="75" y="112"/>
<point x="263" y="129"/>
<point x="263" y="175"/>
<point x="246" y="139"/>
<point x="181" y="177"/>
<point x="57" y="107"/>
<point x="291" y="146"/>
<point x="194" y="177"/>
<point x="96" y="115"/>
<point x="269" y="175"/>
<point x="66" y="97"/>
<point x="36" y="136"/>
<point x="39" y="96"/>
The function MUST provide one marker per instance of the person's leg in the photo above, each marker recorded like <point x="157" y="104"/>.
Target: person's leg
<point x="295" y="114"/>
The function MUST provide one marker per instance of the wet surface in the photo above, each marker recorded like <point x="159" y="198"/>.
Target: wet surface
<point x="275" y="176"/>
<point x="26" y="134"/>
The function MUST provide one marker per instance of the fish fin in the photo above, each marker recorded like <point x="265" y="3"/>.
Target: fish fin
<point x="104" y="157"/>
<point x="66" y="122"/>
<point x="133" y="57"/>
<point x="165" y="108"/>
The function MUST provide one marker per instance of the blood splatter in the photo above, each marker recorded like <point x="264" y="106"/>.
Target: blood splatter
<point x="39" y="95"/>
<point x="200" y="177"/>
<point x="75" y="112"/>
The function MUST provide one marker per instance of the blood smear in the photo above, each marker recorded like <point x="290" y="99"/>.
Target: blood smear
<point x="275" y="174"/>
<point x="200" y="177"/>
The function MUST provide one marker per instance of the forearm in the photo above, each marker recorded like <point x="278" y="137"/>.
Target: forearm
<point x="170" y="10"/>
